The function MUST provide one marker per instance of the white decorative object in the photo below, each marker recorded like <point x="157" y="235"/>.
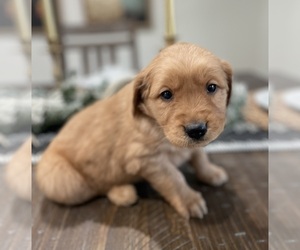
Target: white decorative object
<point x="261" y="98"/>
<point x="112" y="75"/>
<point x="291" y="98"/>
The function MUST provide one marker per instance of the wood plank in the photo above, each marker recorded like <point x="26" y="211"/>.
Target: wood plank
<point x="99" y="56"/>
<point x="112" y="53"/>
<point x="85" y="59"/>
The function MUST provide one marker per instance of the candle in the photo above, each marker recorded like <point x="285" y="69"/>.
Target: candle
<point x="22" y="19"/>
<point x="170" y="22"/>
<point x="49" y="20"/>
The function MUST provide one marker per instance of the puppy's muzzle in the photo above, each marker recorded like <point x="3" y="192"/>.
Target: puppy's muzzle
<point x="196" y="131"/>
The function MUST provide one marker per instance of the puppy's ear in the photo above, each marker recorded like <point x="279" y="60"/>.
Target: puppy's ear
<point x="228" y="71"/>
<point x="140" y="87"/>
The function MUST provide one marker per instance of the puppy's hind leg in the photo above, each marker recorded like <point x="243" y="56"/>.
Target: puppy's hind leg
<point x="123" y="195"/>
<point x="61" y="182"/>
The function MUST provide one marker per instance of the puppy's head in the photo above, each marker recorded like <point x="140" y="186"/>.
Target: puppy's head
<point x="186" y="90"/>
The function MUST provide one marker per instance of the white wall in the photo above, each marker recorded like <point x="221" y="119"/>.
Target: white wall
<point x="236" y="30"/>
<point x="41" y="61"/>
<point x="13" y="62"/>
<point x="284" y="37"/>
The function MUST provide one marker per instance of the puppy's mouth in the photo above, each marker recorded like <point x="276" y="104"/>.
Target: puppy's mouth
<point x="191" y="143"/>
<point x="187" y="142"/>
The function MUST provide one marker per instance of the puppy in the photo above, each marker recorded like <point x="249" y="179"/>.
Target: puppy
<point x="160" y="120"/>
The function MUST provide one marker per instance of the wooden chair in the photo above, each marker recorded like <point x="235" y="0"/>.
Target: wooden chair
<point x="62" y="45"/>
<point x="101" y="45"/>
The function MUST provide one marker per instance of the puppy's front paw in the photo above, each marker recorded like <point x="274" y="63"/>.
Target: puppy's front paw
<point x="191" y="205"/>
<point x="219" y="176"/>
<point x="216" y="176"/>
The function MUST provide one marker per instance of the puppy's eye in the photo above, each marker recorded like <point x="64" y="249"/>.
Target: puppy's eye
<point x="211" y="88"/>
<point x="166" y="95"/>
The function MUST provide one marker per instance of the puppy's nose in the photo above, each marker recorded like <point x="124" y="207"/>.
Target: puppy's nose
<point x="196" y="130"/>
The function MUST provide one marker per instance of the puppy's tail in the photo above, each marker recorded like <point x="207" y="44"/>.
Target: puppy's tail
<point x="18" y="171"/>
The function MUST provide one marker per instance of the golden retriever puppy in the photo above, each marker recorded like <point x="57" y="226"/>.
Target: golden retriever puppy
<point x="160" y="120"/>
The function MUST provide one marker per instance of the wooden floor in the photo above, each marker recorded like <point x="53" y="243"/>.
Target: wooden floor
<point x="284" y="196"/>
<point x="237" y="216"/>
<point x="15" y="219"/>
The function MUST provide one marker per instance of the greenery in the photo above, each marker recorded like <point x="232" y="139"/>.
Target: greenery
<point x="71" y="99"/>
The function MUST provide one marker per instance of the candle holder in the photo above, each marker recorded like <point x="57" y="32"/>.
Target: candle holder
<point x="52" y="29"/>
<point x="170" y="40"/>
<point x="170" y="36"/>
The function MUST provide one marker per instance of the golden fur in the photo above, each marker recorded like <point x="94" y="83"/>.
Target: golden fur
<point x="18" y="171"/>
<point x="136" y="135"/>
